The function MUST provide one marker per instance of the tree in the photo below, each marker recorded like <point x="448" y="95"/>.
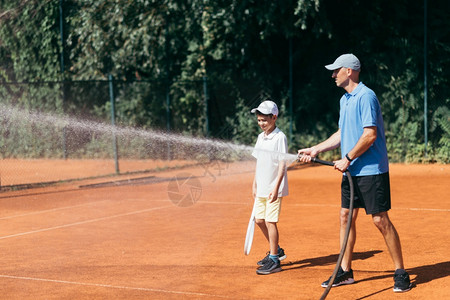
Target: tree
<point x="160" y="53"/>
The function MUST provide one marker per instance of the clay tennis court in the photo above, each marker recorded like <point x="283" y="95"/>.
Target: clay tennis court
<point x="124" y="237"/>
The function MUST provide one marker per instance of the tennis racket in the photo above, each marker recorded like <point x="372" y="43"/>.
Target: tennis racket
<point x="250" y="232"/>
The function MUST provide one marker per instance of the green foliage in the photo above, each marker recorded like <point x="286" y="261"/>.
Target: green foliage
<point x="29" y="50"/>
<point x="117" y="37"/>
<point x="401" y="126"/>
<point x="441" y="122"/>
<point x="160" y="51"/>
<point x="188" y="102"/>
<point x="29" y="40"/>
<point x="136" y="104"/>
<point x="244" y="126"/>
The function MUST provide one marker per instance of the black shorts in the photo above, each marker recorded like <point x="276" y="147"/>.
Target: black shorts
<point x="373" y="193"/>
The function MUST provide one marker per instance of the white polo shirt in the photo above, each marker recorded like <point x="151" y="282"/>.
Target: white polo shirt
<point x="267" y="153"/>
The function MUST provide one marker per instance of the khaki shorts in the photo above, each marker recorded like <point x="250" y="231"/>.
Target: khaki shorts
<point x="270" y="212"/>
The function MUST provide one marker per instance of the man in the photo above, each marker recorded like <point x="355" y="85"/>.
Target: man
<point x="363" y="151"/>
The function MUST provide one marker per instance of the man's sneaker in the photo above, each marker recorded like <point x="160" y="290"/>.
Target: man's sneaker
<point x="401" y="281"/>
<point x="342" y="277"/>
<point x="269" y="268"/>
<point x="281" y="256"/>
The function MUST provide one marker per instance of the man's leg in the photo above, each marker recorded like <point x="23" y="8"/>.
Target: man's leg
<point x="387" y="229"/>
<point x="348" y="255"/>
<point x="402" y="282"/>
<point x="345" y="273"/>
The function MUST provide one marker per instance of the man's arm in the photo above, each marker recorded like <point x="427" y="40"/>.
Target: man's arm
<point x="331" y="143"/>
<point x="366" y="140"/>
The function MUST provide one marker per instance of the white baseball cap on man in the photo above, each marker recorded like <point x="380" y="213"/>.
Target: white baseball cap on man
<point x="267" y="107"/>
<point x="345" y="61"/>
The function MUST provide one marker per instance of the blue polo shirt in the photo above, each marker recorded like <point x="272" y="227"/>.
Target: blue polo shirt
<point x="360" y="109"/>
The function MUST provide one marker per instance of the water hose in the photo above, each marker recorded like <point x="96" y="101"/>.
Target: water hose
<point x="347" y="230"/>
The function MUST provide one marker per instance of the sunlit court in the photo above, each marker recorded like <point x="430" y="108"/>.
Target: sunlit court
<point x="129" y="237"/>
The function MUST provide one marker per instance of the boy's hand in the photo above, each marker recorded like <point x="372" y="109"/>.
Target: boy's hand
<point x="273" y="196"/>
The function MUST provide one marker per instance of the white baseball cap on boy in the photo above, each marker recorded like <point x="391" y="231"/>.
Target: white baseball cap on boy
<point x="345" y="61"/>
<point x="267" y="107"/>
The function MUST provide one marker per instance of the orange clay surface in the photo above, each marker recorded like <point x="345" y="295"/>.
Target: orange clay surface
<point x="16" y="172"/>
<point x="126" y="238"/>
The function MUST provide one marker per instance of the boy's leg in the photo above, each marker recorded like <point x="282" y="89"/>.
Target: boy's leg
<point x="272" y="264"/>
<point x="273" y="237"/>
<point x="268" y="212"/>
<point x="262" y="225"/>
<point x="272" y="215"/>
<point x="264" y="229"/>
<point x="260" y="215"/>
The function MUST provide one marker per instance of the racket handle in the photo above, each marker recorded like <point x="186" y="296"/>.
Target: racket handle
<point x="323" y="162"/>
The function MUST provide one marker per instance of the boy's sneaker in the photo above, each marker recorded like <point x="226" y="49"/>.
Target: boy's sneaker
<point x="281" y="256"/>
<point x="342" y="277"/>
<point x="269" y="268"/>
<point x="402" y="282"/>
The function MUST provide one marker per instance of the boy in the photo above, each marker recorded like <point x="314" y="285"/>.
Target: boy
<point x="270" y="183"/>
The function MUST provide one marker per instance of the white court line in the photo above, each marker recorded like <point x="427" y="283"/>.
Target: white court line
<point x="73" y="206"/>
<point x="422" y="209"/>
<point x="83" y="222"/>
<point x="50" y="210"/>
<point x="394" y="208"/>
<point x="113" y="286"/>
<point x="156" y="208"/>
<point x="325" y="205"/>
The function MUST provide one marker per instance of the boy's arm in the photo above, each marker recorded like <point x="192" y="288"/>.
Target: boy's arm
<point x="273" y="196"/>
<point x="254" y="187"/>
